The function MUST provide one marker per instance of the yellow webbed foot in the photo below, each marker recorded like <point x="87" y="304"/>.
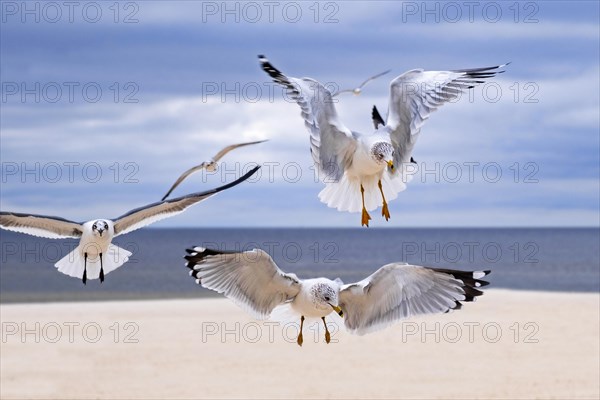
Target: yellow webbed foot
<point x="365" y="218"/>
<point x="385" y="212"/>
<point x="327" y="335"/>
<point x="300" y="339"/>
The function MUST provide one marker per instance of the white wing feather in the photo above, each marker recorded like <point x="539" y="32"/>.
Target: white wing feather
<point x="251" y="279"/>
<point x="398" y="291"/>
<point x="332" y="143"/>
<point x="415" y="94"/>
<point x="40" y="225"/>
<point x="143" y="216"/>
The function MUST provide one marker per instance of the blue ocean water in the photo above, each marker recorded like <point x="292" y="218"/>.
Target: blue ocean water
<point x="538" y="259"/>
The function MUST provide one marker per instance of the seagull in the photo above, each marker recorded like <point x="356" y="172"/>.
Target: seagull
<point x="210" y="166"/>
<point x="362" y="171"/>
<point x="95" y="256"/>
<point x="358" y="90"/>
<point x="396" y="291"/>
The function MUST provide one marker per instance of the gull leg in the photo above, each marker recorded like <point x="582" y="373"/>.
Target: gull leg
<point x="101" y="270"/>
<point x="84" y="268"/>
<point x="300" y="338"/>
<point x="385" y="212"/>
<point x="365" y="215"/>
<point x="327" y="335"/>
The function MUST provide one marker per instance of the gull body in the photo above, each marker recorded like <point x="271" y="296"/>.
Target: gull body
<point x="363" y="171"/>
<point x="373" y="156"/>
<point x="394" y="292"/>
<point x="316" y="298"/>
<point x="96" y="236"/>
<point x="95" y="242"/>
<point x="95" y="255"/>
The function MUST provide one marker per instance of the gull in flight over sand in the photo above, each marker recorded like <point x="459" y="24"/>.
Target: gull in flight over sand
<point x="210" y="166"/>
<point x="394" y="292"/>
<point x="362" y="171"/>
<point x="358" y="90"/>
<point x="95" y="256"/>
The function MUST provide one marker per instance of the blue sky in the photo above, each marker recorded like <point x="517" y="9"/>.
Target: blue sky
<point x="103" y="107"/>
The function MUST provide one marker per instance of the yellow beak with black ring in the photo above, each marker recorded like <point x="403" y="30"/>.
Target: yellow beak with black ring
<point x="391" y="165"/>
<point x="338" y="310"/>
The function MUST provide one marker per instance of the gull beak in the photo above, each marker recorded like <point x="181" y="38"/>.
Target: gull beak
<point x="338" y="310"/>
<point x="391" y="165"/>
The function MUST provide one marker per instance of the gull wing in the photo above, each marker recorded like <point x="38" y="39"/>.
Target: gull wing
<point x="40" y="225"/>
<point x="362" y="84"/>
<point x="205" y="164"/>
<point x="398" y="291"/>
<point x="377" y="118"/>
<point x="374" y="77"/>
<point x="415" y="94"/>
<point x="227" y="149"/>
<point x="251" y="278"/>
<point x="146" y="215"/>
<point x="332" y="145"/>
<point x="183" y="176"/>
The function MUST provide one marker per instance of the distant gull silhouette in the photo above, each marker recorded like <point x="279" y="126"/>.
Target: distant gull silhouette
<point x="210" y="166"/>
<point x="358" y="90"/>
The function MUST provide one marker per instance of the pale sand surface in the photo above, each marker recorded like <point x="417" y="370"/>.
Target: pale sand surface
<point x="171" y="359"/>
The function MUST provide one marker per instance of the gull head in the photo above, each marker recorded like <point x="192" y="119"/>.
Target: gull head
<point x="99" y="227"/>
<point x="383" y="153"/>
<point x="325" y="296"/>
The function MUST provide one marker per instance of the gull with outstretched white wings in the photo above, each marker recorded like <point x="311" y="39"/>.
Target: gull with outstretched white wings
<point x="363" y="171"/>
<point x="95" y="256"/>
<point x="210" y="166"/>
<point x="394" y="292"/>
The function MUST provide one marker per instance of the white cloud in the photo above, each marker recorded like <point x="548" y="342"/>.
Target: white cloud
<point x="167" y="133"/>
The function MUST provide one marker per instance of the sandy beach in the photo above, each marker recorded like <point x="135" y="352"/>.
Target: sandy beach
<point x="509" y="344"/>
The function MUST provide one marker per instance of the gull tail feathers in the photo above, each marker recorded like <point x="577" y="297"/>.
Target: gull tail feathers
<point x="284" y="314"/>
<point x="73" y="263"/>
<point x="345" y="195"/>
<point x="115" y="257"/>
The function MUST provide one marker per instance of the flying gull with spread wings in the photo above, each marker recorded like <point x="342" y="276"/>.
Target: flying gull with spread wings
<point x="210" y="166"/>
<point x="358" y="90"/>
<point x="362" y="171"/>
<point x="95" y="256"/>
<point x="396" y="291"/>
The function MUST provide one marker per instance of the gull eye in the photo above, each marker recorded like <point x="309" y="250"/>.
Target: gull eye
<point x="327" y="298"/>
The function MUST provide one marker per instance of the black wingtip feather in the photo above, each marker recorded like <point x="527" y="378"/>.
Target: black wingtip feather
<point x="377" y="118"/>
<point x="197" y="254"/>
<point x="470" y="285"/>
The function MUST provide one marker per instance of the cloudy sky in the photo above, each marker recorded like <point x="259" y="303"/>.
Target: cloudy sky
<point x="104" y="105"/>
